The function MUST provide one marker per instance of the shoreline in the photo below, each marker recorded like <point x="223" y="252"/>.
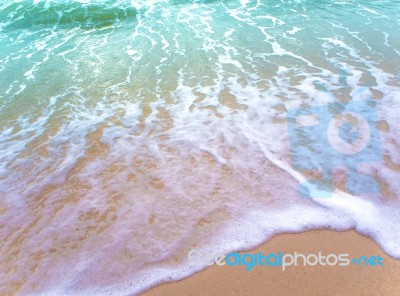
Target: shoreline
<point x="298" y="280"/>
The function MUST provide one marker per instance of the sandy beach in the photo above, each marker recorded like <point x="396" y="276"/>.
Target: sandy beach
<point x="135" y="133"/>
<point x="298" y="280"/>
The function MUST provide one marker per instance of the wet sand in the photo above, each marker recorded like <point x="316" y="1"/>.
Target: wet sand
<point x="298" y="280"/>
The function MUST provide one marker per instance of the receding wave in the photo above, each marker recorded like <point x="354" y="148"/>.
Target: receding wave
<point x="29" y="14"/>
<point x="211" y="125"/>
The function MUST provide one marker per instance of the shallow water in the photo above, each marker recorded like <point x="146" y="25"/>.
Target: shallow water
<point x="132" y="132"/>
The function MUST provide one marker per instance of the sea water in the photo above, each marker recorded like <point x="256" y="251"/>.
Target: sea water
<point x="134" y="131"/>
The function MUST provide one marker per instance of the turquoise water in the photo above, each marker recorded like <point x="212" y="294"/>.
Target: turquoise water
<point x="131" y="131"/>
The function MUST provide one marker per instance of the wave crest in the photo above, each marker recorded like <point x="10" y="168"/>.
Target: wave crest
<point x="28" y="15"/>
